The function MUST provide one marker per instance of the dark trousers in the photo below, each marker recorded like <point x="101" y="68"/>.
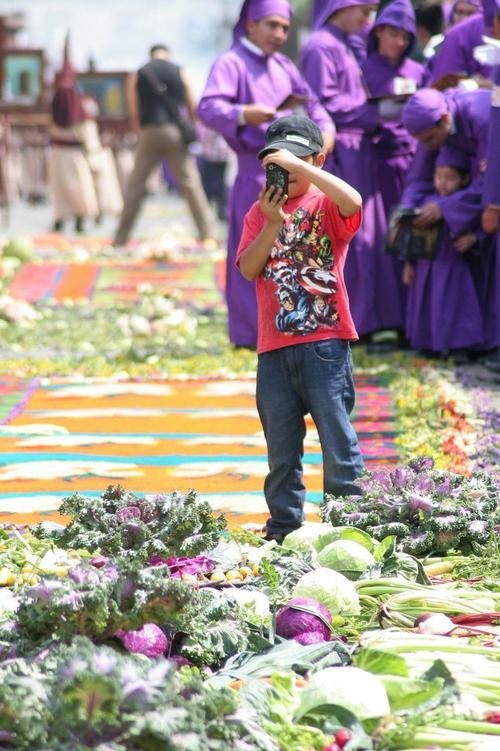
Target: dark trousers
<point x="314" y="378"/>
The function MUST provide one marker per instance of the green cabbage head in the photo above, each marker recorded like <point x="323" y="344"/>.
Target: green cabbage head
<point x="357" y="690"/>
<point x="310" y="536"/>
<point x="330" y="588"/>
<point x="348" y="557"/>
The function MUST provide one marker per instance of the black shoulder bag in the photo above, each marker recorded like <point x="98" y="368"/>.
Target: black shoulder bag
<point x="187" y="129"/>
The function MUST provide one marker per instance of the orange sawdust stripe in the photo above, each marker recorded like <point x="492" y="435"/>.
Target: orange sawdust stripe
<point x="77" y="282"/>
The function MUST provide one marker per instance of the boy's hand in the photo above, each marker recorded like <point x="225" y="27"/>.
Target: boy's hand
<point x="271" y="202"/>
<point x="283" y="158"/>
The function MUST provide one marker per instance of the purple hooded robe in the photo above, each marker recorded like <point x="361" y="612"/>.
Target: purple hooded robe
<point x="244" y="75"/>
<point x="394" y="147"/>
<point x="490" y="275"/>
<point x="444" y="311"/>
<point x="470" y="118"/>
<point x="456" y="53"/>
<point x="372" y="278"/>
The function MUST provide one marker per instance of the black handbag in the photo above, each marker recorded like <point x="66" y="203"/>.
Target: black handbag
<point x="186" y="127"/>
<point x="408" y="242"/>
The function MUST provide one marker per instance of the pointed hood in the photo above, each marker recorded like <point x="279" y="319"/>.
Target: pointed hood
<point x="323" y="9"/>
<point x="255" y="10"/>
<point x="66" y="76"/>
<point x="398" y="13"/>
<point x="67" y="101"/>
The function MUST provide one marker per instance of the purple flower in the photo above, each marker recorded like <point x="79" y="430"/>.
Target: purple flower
<point x="128" y="513"/>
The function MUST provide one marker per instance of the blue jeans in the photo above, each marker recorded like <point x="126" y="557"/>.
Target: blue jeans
<point x="315" y="378"/>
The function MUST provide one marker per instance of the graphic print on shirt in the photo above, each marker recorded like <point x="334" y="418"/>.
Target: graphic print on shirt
<point x="301" y="265"/>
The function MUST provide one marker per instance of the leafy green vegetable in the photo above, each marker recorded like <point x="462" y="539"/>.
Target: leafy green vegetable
<point x="348" y="557"/>
<point x="429" y="511"/>
<point x="119" y="522"/>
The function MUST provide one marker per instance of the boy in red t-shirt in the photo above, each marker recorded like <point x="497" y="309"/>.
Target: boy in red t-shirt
<point x="295" y="247"/>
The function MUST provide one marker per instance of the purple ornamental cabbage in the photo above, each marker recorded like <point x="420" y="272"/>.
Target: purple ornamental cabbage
<point x="128" y="513"/>
<point x="401" y="477"/>
<point x="419" y="503"/>
<point x="148" y="640"/>
<point x="292" y="623"/>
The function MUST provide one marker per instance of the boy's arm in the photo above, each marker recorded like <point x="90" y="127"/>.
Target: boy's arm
<point x="347" y="199"/>
<point x="255" y="256"/>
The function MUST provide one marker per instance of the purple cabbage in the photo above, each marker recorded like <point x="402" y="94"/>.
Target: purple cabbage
<point x="310" y="637"/>
<point x="148" y="640"/>
<point x="292" y="621"/>
<point x="196" y="566"/>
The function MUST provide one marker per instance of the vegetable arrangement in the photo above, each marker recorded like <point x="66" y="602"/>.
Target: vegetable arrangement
<point x="429" y="511"/>
<point x="166" y="631"/>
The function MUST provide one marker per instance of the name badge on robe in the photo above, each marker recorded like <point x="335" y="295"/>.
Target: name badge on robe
<point x="404" y="85"/>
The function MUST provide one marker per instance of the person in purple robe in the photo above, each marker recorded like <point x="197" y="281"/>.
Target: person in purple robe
<point x="456" y="54"/>
<point x="444" y="313"/>
<point x="388" y="71"/>
<point x="373" y="279"/>
<point x="459" y="119"/>
<point x="248" y="87"/>
<point x="491" y="225"/>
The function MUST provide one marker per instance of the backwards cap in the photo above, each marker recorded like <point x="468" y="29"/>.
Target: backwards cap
<point x="255" y="10"/>
<point x="423" y="110"/>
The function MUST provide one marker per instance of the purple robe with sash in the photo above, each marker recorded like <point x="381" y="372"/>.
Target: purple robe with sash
<point x="238" y="77"/>
<point x="372" y="279"/>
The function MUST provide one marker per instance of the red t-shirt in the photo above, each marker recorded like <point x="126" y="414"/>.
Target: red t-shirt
<point x="301" y="293"/>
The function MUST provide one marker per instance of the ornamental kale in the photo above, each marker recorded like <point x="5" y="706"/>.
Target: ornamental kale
<point x="121" y="523"/>
<point x="97" y="603"/>
<point x="112" y="701"/>
<point x="429" y="511"/>
<point x="108" y="603"/>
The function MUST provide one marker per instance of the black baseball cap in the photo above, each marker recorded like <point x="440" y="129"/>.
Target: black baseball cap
<point x="296" y="133"/>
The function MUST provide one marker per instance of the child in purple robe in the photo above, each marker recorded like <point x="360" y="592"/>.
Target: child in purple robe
<point x="248" y="87"/>
<point x="444" y="312"/>
<point x="331" y="67"/>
